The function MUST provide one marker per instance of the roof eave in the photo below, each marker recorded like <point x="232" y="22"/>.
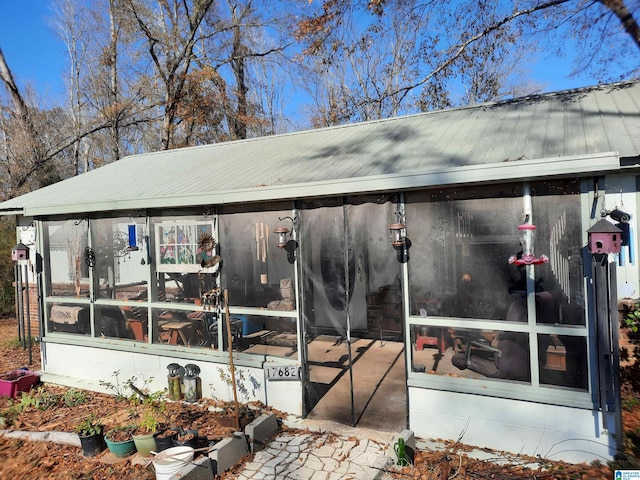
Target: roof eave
<point x="520" y="170"/>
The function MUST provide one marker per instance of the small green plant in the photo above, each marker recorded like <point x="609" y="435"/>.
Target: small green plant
<point x="120" y="433"/>
<point x="149" y="423"/>
<point x="630" y="403"/>
<point x="145" y="406"/>
<point x="39" y="399"/>
<point x="632" y="320"/>
<point x="89" y="426"/>
<point x="117" y="388"/>
<point x="73" y="397"/>
<point x="246" y="386"/>
<point x="15" y="343"/>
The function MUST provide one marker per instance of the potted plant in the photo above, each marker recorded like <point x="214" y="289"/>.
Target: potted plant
<point x="143" y="435"/>
<point x="186" y="438"/>
<point x="119" y="440"/>
<point x="164" y="437"/>
<point x="89" y="431"/>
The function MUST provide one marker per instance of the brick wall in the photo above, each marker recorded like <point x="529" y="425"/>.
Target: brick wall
<point x="628" y="339"/>
<point x="33" y="309"/>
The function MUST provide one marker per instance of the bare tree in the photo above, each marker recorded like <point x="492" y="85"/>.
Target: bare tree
<point x="470" y="46"/>
<point x="71" y="28"/>
<point x="171" y="30"/>
<point x="27" y="153"/>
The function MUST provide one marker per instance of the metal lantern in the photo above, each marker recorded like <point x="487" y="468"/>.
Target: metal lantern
<point x="397" y="234"/>
<point x="281" y="236"/>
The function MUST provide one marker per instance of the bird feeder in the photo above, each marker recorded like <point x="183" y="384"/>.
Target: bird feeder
<point x="527" y="236"/>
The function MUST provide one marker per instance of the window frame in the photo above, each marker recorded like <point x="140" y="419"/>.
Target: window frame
<point x="529" y="391"/>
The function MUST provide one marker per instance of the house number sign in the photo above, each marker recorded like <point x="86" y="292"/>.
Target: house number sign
<point x="284" y="372"/>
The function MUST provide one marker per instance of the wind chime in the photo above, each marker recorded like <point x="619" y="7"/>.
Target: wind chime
<point x="464" y="231"/>
<point x="262" y="248"/>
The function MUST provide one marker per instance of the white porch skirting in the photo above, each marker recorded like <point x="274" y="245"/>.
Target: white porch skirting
<point x="85" y="367"/>
<point x="555" y="432"/>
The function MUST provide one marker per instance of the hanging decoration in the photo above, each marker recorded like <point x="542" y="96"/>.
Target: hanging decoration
<point x="463" y="231"/>
<point x="206" y="242"/>
<point x="133" y="245"/>
<point x="262" y="232"/>
<point x="90" y="257"/>
<point x="120" y="244"/>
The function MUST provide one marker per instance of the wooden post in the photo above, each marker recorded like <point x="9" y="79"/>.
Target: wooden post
<point x="231" y="367"/>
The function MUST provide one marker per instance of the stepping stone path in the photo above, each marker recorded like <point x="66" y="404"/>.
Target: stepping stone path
<point x="314" y="456"/>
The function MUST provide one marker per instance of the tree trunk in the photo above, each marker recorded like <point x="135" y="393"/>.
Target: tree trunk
<point x="7" y="78"/>
<point x="629" y="23"/>
<point x="238" y="65"/>
<point x="113" y="58"/>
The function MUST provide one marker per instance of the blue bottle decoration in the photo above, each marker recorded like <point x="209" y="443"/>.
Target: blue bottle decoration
<point x="132" y="237"/>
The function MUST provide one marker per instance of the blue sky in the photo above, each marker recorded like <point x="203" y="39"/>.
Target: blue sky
<point x="37" y="56"/>
<point x="32" y="51"/>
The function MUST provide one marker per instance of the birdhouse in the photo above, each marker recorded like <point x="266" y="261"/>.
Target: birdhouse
<point x="604" y="237"/>
<point x="20" y="252"/>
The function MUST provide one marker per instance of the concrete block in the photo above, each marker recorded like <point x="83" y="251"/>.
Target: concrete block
<point x="379" y="468"/>
<point x="409" y="446"/>
<point x="228" y="452"/>
<point x="200" y="469"/>
<point x="260" y="431"/>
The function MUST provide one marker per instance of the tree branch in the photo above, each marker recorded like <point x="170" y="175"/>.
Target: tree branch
<point x="461" y="48"/>
<point x="620" y="10"/>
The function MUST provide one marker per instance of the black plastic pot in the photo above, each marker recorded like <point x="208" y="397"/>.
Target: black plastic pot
<point x="92" y="444"/>
<point x="191" y="442"/>
<point x="165" y="440"/>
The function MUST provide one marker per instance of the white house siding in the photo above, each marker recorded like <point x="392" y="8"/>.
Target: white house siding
<point x="549" y="431"/>
<point x="85" y="367"/>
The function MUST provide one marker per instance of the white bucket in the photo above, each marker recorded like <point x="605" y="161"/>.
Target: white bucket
<point x="170" y="461"/>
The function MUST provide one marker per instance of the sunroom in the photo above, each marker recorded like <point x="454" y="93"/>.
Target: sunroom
<point x="370" y="274"/>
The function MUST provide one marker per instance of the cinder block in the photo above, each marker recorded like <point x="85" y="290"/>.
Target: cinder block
<point x="228" y="452"/>
<point x="198" y="470"/>
<point x="261" y="430"/>
<point x="379" y="469"/>
<point x="409" y="446"/>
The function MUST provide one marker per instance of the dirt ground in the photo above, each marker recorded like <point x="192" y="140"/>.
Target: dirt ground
<point x="62" y="410"/>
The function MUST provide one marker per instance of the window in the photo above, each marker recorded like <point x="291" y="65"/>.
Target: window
<point x="461" y="240"/>
<point x="119" y="248"/>
<point x="184" y="246"/>
<point x="472" y="312"/>
<point x="256" y="272"/>
<point x="66" y="242"/>
<point x="475" y="353"/>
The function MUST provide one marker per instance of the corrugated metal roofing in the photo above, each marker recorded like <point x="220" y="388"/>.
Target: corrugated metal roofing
<point x="535" y="131"/>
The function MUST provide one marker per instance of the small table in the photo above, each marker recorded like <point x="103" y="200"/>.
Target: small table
<point x="177" y="330"/>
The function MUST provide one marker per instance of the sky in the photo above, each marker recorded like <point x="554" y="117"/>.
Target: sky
<point x="32" y="51"/>
<point x="37" y="57"/>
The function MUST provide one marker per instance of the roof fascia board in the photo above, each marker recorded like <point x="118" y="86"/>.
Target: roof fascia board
<point x="505" y="171"/>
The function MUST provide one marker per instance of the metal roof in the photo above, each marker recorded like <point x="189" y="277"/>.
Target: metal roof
<point x="570" y="132"/>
